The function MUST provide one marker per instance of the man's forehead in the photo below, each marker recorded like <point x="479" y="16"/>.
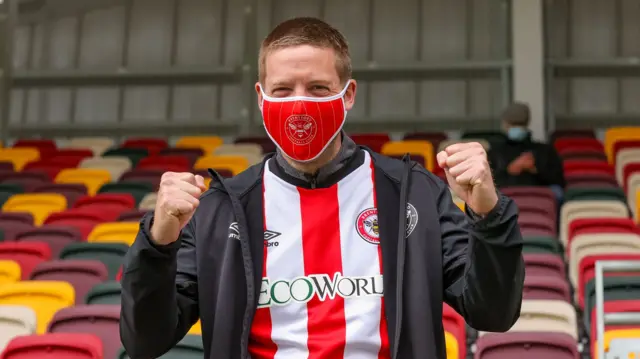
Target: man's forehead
<point x="304" y="63"/>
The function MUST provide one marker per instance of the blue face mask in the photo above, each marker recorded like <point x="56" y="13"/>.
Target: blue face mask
<point x="517" y="133"/>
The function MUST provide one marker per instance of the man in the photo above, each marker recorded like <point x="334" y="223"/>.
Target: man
<point x="520" y="161"/>
<point x="326" y="250"/>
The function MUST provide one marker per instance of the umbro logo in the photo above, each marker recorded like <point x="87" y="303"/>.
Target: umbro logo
<point x="234" y="233"/>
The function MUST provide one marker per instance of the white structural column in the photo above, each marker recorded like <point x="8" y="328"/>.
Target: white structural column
<point x="528" y="60"/>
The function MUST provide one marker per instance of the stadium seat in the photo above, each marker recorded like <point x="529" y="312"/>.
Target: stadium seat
<point x="190" y="347"/>
<point x="452" y="345"/>
<point x="45" y="146"/>
<point x="8" y="190"/>
<point x="615" y="288"/>
<point x="45" y="298"/>
<point x="444" y="144"/>
<point x="547" y="316"/>
<point x="454" y="323"/>
<point x="538" y="264"/>
<point x="93" y="179"/>
<point x="586" y="270"/>
<point x="111" y="254"/>
<point x="96" y="144"/>
<point x="434" y="137"/>
<point x="134" y="215"/>
<point x="615" y="134"/>
<point x="19" y="156"/>
<point x="54" y="346"/>
<point x="236" y="164"/>
<point x="625" y="157"/>
<point x="10" y="271"/>
<point x="538" y="205"/>
<point x="374" y="141"/>
<point x="152" y="145"/>
<point x="45" y="167"/>
<point x="166" y="163"/>
<point x="571" y="133"/>
<point x="70" y="191"/>
<point x="591" y="194"/>
<point x="542" y="245"/>
<point x="57" y="237"/>
<point x="600" y="225"/>
<point x="27" y="254"/>
<point x="239" y="149"/>
<point x="589" y="180"/>
<point x="27" y="180"/>
<point x="109" y="202"/>
<point x="196" y="329"/>
<point x="527" y="345"/>
<point x="148" y="202"/>
<point x="589" y="209"/>
<point x="81" y="274"/>
<point x="621" y="343"/>
<point x="150" y="176"/>
<point x="263" y="141"/>
<point x="587" y="143"/>
<point x="82" y="219"/>
<point x="72" y="156"/>
<point x="99" y="320"/>
<point x="613" y="306"/>
<point x="583" y="154"/>
<point x="118" y="232"/>
<point x="191" y="154"/>
<point x="12" y="223"/>
<point x="133" y="154"/>
<point x="206" y="143"/>
<point x="536" y="224"/>
<point x="15" y="321"/>
<point x="40" y="205"/>
<point x="116" y="165"/>
<point x="119" y="275"/>
<point x="104" y="293"/>
<point x="414" y="147"/>
<point x="136" y="189"/>
<point x="549" y="288"/>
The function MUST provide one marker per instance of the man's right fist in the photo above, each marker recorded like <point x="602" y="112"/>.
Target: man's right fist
<point x="177" y="201"/>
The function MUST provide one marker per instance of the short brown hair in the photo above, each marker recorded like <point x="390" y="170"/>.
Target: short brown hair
<point x="517" y="114"/>
<point x="307" y="31"/>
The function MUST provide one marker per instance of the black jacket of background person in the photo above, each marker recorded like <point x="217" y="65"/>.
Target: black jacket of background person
<point x="475" y="265"/>
<point x="547" y="162"/>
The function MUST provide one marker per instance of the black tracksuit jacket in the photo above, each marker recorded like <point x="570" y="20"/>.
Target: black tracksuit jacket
<point x="473" y="264"/>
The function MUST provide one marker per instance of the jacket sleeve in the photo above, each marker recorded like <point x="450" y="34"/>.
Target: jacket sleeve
<point x="159" y="293"/>
<point x="483" y="267"/>
<point x="548" y="165"/>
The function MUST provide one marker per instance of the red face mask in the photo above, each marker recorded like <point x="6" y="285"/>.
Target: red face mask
<point x="302" y="127"/>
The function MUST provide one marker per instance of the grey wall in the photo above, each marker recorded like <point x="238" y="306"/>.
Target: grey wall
<point x="211" y="32"/>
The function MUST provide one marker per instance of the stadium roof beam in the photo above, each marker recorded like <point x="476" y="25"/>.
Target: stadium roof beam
<point x="625" y="66"/>
<point x="463" y="70"/>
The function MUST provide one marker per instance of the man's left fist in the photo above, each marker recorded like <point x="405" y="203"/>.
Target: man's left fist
<point x="469" y="175"/>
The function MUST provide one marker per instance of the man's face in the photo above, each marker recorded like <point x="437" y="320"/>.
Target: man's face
<point x="304" y="71"/>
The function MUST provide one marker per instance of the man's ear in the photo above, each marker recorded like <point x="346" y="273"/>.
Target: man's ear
<point x="350" y="95"/>
<point x="259" y="93"/>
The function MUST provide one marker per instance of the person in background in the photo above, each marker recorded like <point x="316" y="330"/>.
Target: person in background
<point x="520" y="161"/>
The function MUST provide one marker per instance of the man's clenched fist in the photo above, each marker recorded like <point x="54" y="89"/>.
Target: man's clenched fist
<point x="177" y="201"/>
<point x="469" y="175"/>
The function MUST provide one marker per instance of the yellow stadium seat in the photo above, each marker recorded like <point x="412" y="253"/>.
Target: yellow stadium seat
<point x="44" y="297"/>
<point x="40" y="205"/>
<point x="9" y="272"/>
<point x="196" y="329"/>
<point x="235" y="164"/>
<point x="115" y="232"/>
<point x="452" y="346"/>
<point x="92" y="178"/>
<point x="207" y="181"/>
<point x="613" y="334"/>
<point x="615" y="134"/>
<point x="206" y="143"/>
<point x="19" y="156"/>
<point x="422" y="148"/>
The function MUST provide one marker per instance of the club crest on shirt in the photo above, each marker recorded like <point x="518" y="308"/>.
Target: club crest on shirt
<point x="412" y="219"/>
<point x="301" y="129"/>
<point x="367" y="225"/>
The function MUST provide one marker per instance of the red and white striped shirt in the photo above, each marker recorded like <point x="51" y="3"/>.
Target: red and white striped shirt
<point x="322" y="292"/>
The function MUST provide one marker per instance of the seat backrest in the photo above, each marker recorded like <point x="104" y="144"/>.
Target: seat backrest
<point x="527" y="345"/>
<point x="615" y="288"/>
<point x="99" y="320"/>
<point x="587" y="244"/>
<point x="191" y="154"/>
<point x="190" y="347"/>
<point x="111" y="254"/>
<point x="40" y="205"/>
<point x="92" y="178"/>
<point x="10" y="271"/>
<point x="57" y="237"/>
<point x="81" y="274"/>
<point x="136" y="189"/>
<point x="27" y="254"/>
<point x="96" y="144"/>
<point x="547" y="316"/>
<point x="120" y="200"/>
<point x="12" y="223"/>
<point x="104" y="293"/>
<point x="544" y="265"/>
<point x="586" y="269"/>
<point x="15" y="320"/>
<point x="19" y="156"/>
<point x="71" y="191"/>
<point x="133" y="154"/>
<point x="148" y="202"/>
<point x="206" y="143"/>
<point x="120" y="232"/>
<point x="452" y="345"/>
<point x="623" y="157"/>
<point x="116" y="165"/>
<point x="241" y="149"/>
<point x="588" y="209"/>
<point x="549" y="288"/>
<point x="44" y="297"/>
<point x="55" y="346"/>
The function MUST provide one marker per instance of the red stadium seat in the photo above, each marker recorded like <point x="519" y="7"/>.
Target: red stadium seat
<point x="454" y="323"/>
<point x="71" y="191"/>
<point x="6" y="166"/>
<point x="535" y="224"/>
<point x="148" y="175"/>
<point x="133" y="215"/>
<point x="83" y="219"/>
<point x="591" y="180"/>
<point x="81" y="274"/>
<point x="191" y="154"/>
<point x="54" y="346"/>
<point x="27" y="180"/>
<point x="112" y="203"/>
<point x="72" y="153"/>
<point x="613" y="306"/>
<point x="542" y="287"/>
<point x="601" y="225"/>
<point x="46" y="147"/>
<point x="572" y="133"/>
<point x="14" y="222"/>
<point x="374" y="141"/>
<point x="528" y="192"/>
<point x="57" y="237"/>
<point x="527" y="345"/>
<point x="119" y="275"/>
<point x="152" y="145"/>
<point x="27" y="254"/>
<point x="100" y="320"/>
<point x="44" y="166"/>
<point x="587" y="270"/>
<point x="539" y="264"/>
<point x="165" y="163"/>
<point x="620" y="145"/>
<point x="573" y="143"/>
<point x="587" y="167"/>
<point x="583" y="154"/>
